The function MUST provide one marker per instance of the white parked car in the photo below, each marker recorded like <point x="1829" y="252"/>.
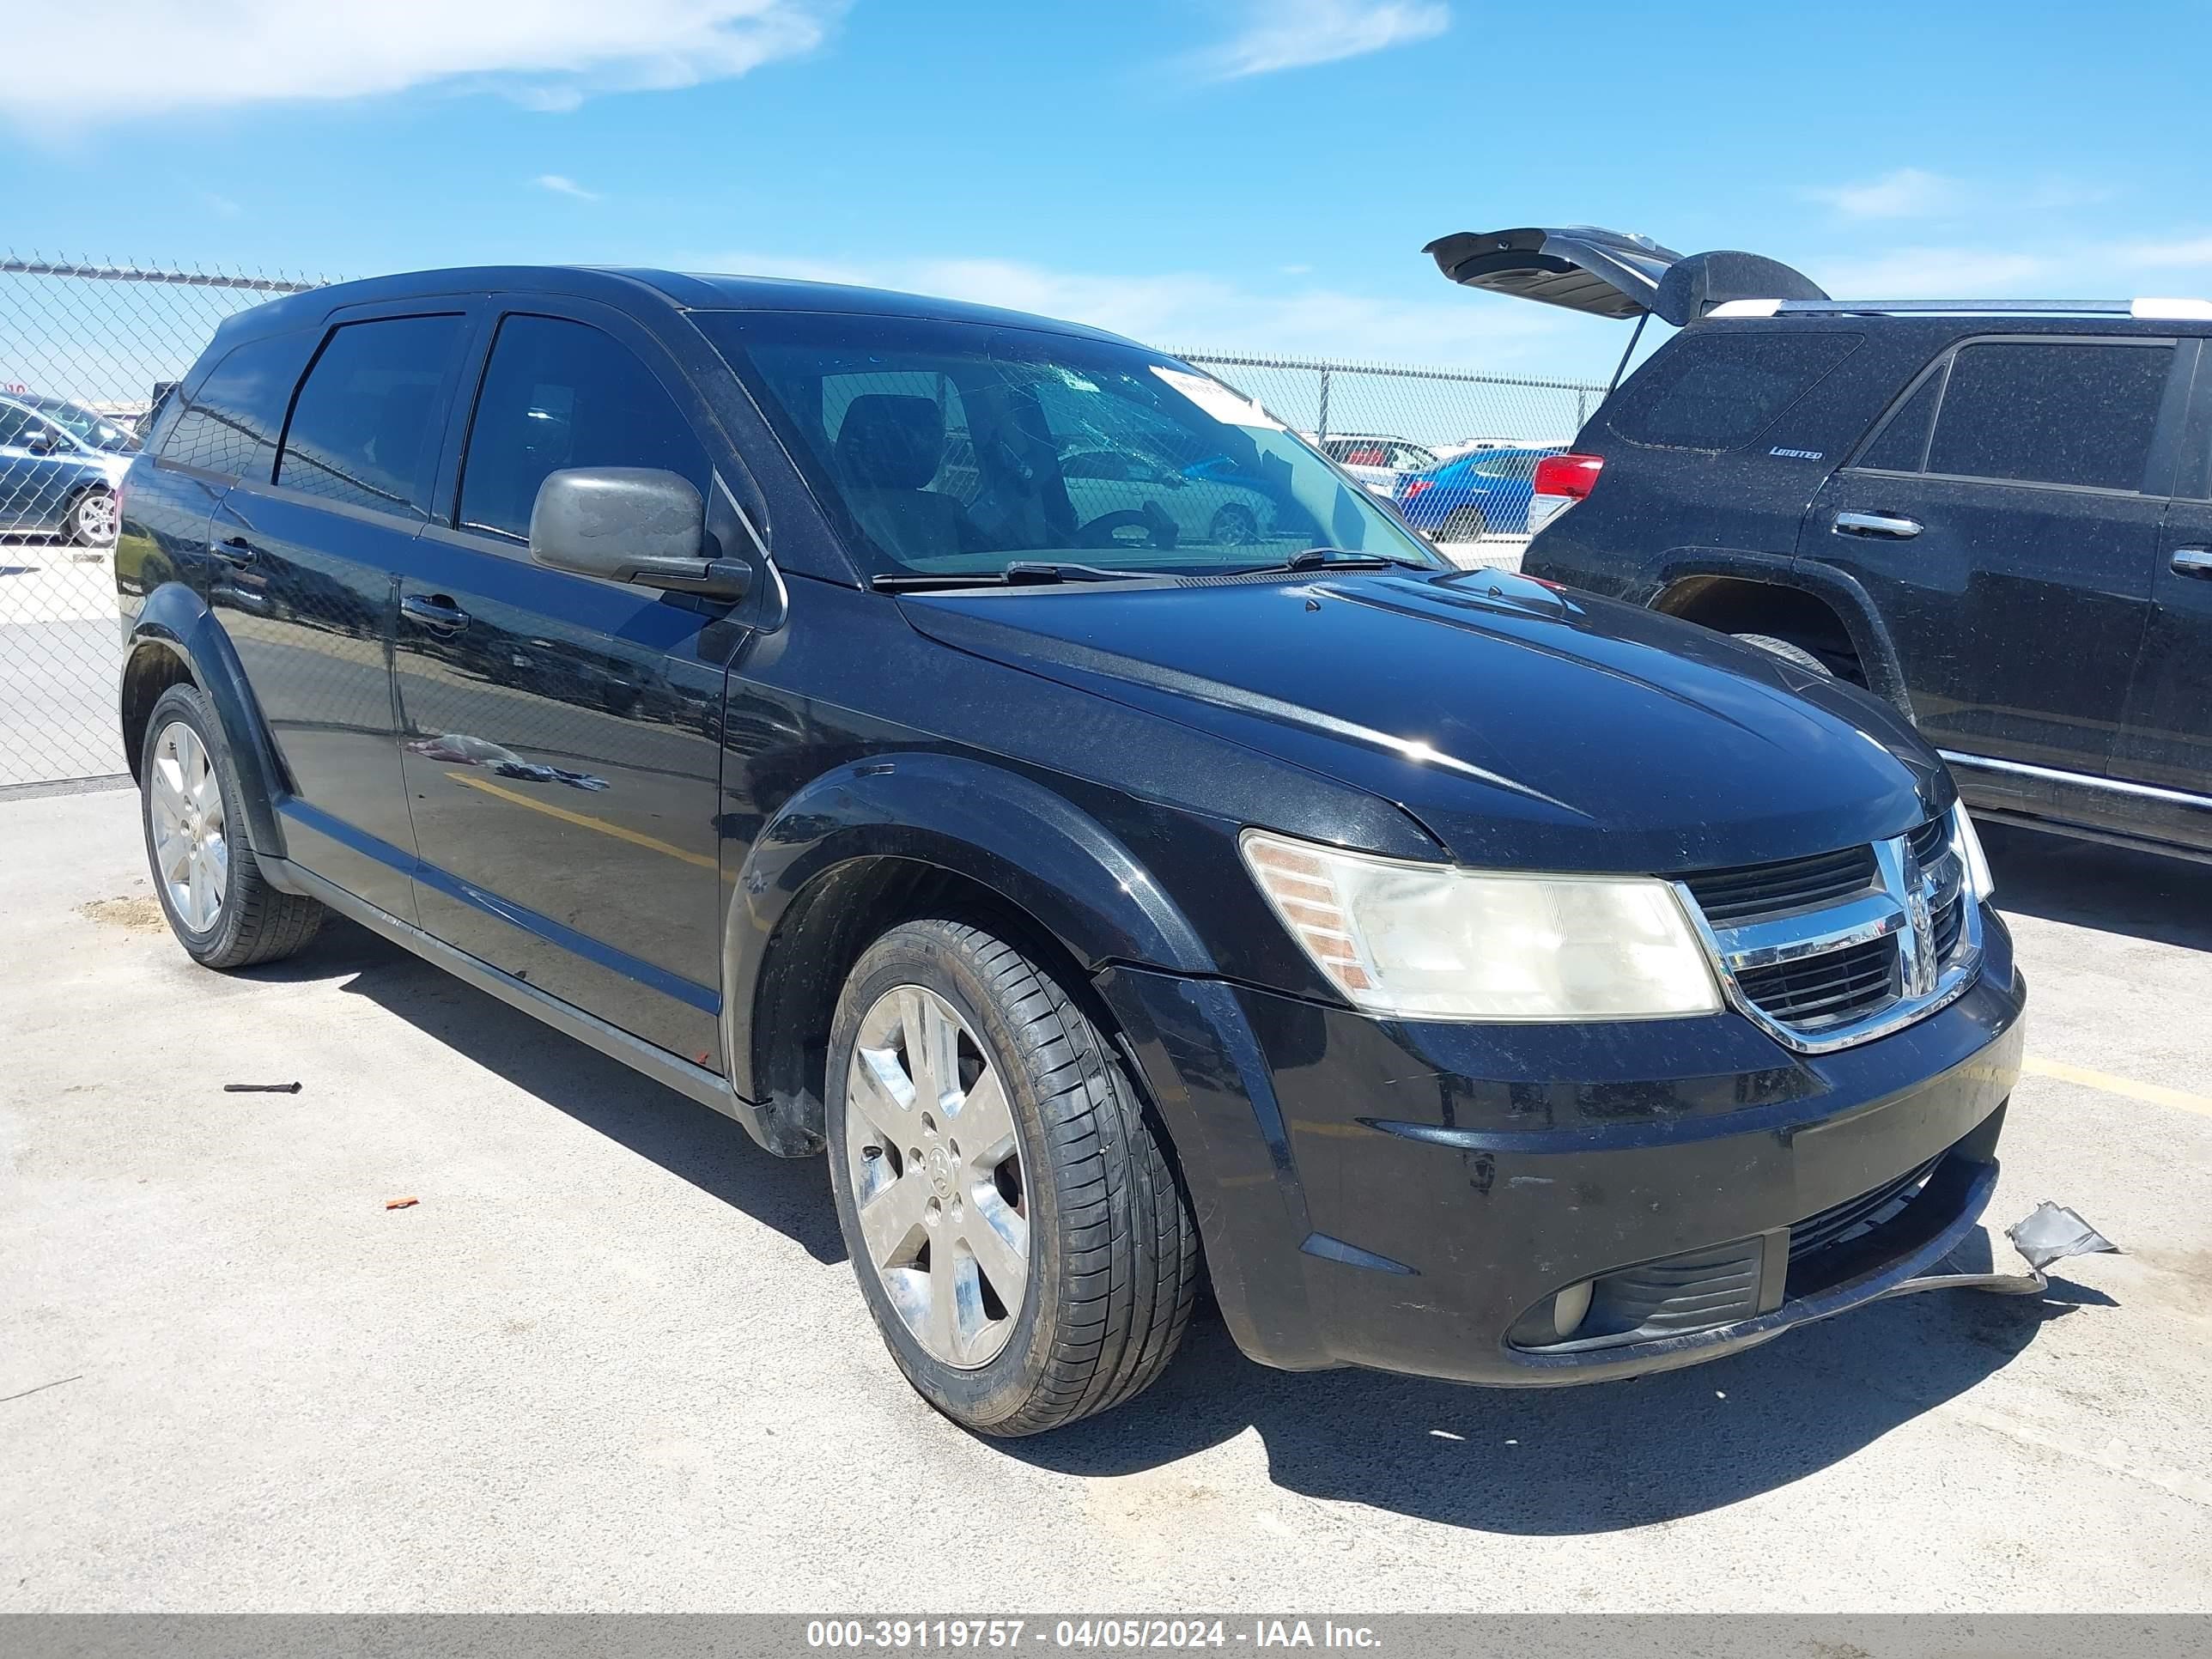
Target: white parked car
<point x="1469" y="446"/>
<point x="1376" y="461"/>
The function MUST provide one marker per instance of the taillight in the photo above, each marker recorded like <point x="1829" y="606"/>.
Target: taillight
<point x="1414" y="487"/>
<point x="1560" y="481"/>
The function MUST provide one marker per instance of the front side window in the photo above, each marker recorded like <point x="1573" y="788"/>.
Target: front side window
<point x="89" y="427"/>
<point x="1715" y="390"/>
<point x="958" y="448"/>
<point x="2051" y="412"/>
<point x="232" y="421"/>
<point x="560" y="394"/>
<point x="367" y="428"/>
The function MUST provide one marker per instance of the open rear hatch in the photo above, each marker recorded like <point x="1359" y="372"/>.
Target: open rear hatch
<point x="1611" y="273"/>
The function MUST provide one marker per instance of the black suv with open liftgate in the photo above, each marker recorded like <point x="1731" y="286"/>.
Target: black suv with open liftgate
<point x="1478" y="981"/>
<point x="1998" y="516"/>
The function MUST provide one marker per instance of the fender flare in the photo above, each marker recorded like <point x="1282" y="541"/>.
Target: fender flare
<point x="175" y="622"/>
<point x="1000" y="828"/>
<point x="1839" y="590"/>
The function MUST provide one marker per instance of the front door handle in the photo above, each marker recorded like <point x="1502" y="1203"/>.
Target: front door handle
<point x="1876" y="523"/>
<point x="2193" y="561"/>
<point x="236" y="549"/>
<point x="436" y="612"/>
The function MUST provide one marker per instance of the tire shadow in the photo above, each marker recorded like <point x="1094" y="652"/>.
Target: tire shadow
<point x="690" y="1141"/>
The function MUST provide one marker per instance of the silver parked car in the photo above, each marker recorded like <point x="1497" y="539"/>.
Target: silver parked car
<point x="60" y="466"/>
<point x="1204" y="508"/>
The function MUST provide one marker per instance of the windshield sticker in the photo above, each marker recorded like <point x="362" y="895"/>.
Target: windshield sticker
<point x="1217" y="400"/>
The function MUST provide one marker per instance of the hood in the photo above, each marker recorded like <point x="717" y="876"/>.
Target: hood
<point x="1525" y="728"/>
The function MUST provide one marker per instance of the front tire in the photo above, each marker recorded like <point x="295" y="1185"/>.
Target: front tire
<point x="1012" y="1214"/>
<point x="220" y="906"/>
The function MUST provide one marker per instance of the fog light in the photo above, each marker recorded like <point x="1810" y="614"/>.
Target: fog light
<point x="1569" y="1308"/>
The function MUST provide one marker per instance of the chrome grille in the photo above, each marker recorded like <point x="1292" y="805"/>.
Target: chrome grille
<point x="1832" y="985"/>
<point x="1762" y="890"/>
<point x="1843" y="947"/>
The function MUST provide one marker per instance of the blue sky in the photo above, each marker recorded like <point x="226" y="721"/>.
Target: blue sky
<point x="1216" y="173"/>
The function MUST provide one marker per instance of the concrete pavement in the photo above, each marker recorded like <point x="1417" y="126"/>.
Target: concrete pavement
<point x="614" y="1358"/>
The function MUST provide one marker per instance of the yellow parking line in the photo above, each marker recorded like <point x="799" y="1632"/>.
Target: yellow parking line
<point x="2155" y="1094"/>
<point x="584" y="822"/>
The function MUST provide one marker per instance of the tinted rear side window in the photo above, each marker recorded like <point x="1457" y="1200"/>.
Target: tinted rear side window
<point x="559" y="394"/>
<point x="2057" y="413"/>
<point x="1715" y="390"/>
<point x="367" y="426"/>
<point x="1904" y="441"/>
<point x="232" y="423"/>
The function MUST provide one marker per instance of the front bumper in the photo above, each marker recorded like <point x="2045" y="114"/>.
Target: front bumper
<point x="1401" y="1196"/>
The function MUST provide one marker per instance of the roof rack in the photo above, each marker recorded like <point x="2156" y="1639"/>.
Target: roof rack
<point x="2195" y="310"/>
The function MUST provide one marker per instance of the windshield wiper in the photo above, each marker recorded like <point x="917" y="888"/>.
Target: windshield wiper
<point x="1022" y="572"/>
<point x="1330" y="558"/>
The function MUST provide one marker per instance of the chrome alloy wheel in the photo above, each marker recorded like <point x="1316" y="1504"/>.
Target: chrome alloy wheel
<point x="936" y="1170"/>
<point x="190" y="850"/>
<point x="97" y="521"/>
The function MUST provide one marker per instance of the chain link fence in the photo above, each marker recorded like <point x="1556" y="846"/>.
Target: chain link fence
<point x="1456" y="450"/>
<point x="86" y="349"/>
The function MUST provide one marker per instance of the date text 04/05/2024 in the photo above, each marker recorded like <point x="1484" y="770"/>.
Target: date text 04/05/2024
<point x="1106" y="1634"/>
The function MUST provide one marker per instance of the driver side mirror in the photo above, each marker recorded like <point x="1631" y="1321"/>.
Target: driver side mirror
<point x="631" y="523"/>
<point x="42" y="441"/>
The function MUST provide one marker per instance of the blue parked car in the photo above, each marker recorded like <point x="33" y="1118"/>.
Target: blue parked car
<point x="1485" y="493"/>
<point x="60" y="466"/>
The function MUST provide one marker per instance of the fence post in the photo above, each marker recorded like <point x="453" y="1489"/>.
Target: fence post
<point x="1321" y="425"/>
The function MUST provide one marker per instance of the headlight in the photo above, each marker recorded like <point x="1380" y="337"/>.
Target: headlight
<point x="1432" y="941"/>
<point x="1968" y="846"/>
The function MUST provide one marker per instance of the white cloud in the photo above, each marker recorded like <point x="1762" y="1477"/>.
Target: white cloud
<point x="1192" y="312"/>
<point x="1280" y="35"/>
<point x="160" y="55"/>
<point x="1905" y="194"/>
<point x="560" y="184"/>
<point x="1934" y="273"/>
<point x="2193" y="250"/>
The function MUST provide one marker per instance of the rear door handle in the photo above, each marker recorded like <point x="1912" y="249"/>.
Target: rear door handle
<point x="437" y="613"/>
<point x="1876" y="523"/>
<point x="2193" y="561"/>
<point x="236" y="549"/>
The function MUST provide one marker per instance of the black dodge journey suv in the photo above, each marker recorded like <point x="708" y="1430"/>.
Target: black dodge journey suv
<point x="1478" y="981"/>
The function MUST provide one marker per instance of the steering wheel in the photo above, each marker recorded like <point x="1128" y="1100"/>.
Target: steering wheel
<point x="1105" y="530"/>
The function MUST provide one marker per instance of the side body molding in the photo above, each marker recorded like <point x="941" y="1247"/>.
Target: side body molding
<point x="993" y="826"/>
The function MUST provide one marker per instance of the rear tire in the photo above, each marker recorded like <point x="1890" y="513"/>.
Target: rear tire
<point x="91" y="520"/>
<point x="1047" y="1272"/>
<point x="1788" y="651"/>
<point x="1234" y="527"/>
<point x="220" y="906"/>
<point x="1464" y="524"/>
